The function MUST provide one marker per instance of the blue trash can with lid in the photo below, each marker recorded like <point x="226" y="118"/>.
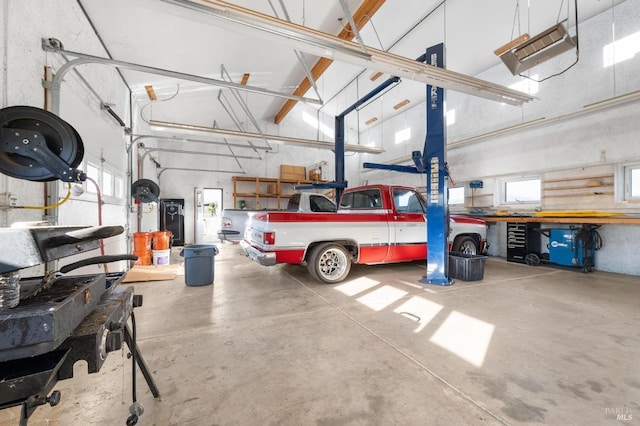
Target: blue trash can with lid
<point x="199" y="264"/>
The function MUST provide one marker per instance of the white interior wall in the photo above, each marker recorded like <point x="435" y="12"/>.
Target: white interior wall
<point x="604" y="138"/>
<point x="181" y="183"/>
<point x="23" y="64"/>
<point x="582" y="140"/>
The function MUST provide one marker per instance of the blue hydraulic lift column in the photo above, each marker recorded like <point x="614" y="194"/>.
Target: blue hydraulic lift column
<point x="434" y="161"/>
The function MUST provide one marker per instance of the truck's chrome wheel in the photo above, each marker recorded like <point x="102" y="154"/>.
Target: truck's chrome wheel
<point x="329" y="263"/>
<point x="466" y="245"/>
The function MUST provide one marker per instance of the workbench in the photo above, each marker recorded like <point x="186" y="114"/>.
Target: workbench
<point x="608" y="220"/>
<point x="523" y="233"/>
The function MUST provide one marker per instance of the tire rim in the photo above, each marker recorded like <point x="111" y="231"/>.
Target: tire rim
<point x="332" y="264"/>
<point x="468" y="247"/>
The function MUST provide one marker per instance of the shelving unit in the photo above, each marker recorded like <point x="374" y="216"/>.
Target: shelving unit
<point x="262" y="188"/>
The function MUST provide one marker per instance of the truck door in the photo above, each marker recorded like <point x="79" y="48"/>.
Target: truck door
<point x="408" y="226"/>
<point x="367" y="220"/>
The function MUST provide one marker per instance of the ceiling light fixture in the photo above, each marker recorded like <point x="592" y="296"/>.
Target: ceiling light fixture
<point x="375" y="76"/>
<point x="166" y="125"/>
<point x="526" y="52"/>
<point x="401" y="104"/>
<point x="151" y="93"/>
<point x="236" y="18"/>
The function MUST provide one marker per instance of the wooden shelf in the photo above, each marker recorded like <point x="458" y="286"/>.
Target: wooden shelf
<point x="261" y="189"/>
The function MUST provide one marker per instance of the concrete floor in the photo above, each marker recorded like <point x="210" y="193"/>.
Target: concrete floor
<point x="269" y="346"/>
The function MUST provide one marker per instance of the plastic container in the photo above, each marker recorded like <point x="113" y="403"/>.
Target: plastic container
<point x="466" y="267"/>
<point x="161" y="240"/>
<point x="199" y="264"/>
<point x="161" y="257"/>
<point x="142" y="247"/>
<point x="9" y="290"/>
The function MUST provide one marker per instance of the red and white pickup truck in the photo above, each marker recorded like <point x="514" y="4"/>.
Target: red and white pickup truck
<point x="374" y="224"/>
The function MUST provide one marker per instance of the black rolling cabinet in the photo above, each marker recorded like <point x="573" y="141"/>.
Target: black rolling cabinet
<point x="522" y="238"/>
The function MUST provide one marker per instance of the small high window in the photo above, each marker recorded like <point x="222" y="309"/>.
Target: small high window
<point x="632" y="182"/>
<point x="456" y="196"/>
<point x="522" y="191"/>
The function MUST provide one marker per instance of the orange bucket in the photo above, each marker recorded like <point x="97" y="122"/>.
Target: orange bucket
<point x="161" y="240"/>
<point x="142" y="247"/>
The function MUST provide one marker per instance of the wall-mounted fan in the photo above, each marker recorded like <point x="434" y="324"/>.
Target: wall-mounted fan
<point x="145" y="191"/>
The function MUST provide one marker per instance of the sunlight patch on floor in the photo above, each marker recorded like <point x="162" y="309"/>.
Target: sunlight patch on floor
<point x="381" y="297"/>
<point x="419" y="309"/>
<point x="353" y="287"/>
<point x="464" y="336"/>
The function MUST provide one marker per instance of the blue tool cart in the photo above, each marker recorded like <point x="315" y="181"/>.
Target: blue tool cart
<point x="574" y="247"/>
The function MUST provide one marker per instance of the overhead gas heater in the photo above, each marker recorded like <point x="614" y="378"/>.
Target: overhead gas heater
<point x="526" y="52"/>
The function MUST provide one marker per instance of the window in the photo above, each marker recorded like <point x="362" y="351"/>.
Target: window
<point x="107" y="183"/>
<point x="118" y="190"/>
<point x="408" y="201"/>
<point x="634" y="187"/>
<point x="109" y="180"/>
<point x="522" y="191"/>
<point x="93" y="172"/>
<point x="456" y="196"/>
<point x="321" y="204"/>
<point x="365" y="199"/>
<point x="632" y="182"/>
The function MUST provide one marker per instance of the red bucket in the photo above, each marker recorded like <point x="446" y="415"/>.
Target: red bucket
<point x="161" y="240"/>
<point x="142" y="247"/>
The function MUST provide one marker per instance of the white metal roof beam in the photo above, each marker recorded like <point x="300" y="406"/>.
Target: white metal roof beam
<point x="236" y="18"/>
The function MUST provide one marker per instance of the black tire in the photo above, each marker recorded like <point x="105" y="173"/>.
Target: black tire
<point x="532" y="259"/>
<point x="466" y="245"/>
<point x="329" y="263"/>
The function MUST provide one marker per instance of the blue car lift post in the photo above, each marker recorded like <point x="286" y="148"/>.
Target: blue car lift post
<point x="433" y="157"/>
<point x="432" y="161"/>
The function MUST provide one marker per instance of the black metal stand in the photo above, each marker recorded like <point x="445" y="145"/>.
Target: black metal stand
<point x="133" y="347"/>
